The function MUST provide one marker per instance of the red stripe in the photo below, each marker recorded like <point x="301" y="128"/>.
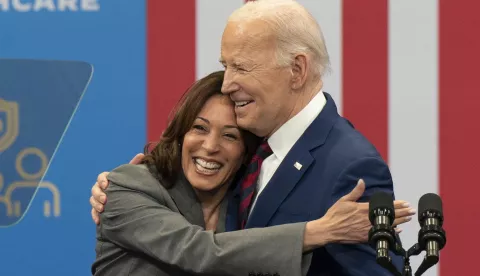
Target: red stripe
<point x="171" y="46"/>
<point x="365" y="69"/>
<point x="459" y="133"/>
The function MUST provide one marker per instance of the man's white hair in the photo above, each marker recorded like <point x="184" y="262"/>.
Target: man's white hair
<point x="295" y="28"/>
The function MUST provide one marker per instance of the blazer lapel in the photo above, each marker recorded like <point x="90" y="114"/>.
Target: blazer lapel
<point x="293" y="167"/>
<point x="186" y="200"/>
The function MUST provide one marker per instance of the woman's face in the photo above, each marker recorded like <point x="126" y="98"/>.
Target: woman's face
<point x="213" y="148"/>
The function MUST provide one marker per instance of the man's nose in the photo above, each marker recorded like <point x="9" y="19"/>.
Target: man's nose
<point x="229" y="85"/>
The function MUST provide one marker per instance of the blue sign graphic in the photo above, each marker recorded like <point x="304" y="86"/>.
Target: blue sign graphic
<point x="107" y="129"/>
<point x="37" y="101"/>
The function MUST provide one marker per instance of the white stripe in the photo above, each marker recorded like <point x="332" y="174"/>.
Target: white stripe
<point x="328" y="13"/>
<point x="211" y="19"/>
<point x="413" y="100"/>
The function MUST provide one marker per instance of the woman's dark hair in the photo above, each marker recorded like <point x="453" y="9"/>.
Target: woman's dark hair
<point x="165" y="158"/>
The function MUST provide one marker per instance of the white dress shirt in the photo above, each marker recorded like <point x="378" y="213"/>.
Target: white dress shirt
<point x="284" y="138"/>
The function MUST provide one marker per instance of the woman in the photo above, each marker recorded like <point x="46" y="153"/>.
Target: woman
<point x="166" y="216"/>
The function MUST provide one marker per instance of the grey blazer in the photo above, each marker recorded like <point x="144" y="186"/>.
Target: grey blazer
<point x="147" y="229"/>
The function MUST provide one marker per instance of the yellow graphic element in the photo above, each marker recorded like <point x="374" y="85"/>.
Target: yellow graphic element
<point x="8" y="126"/>
<point x="5" y="200"/>
<point x="17" y="210"/>
<point x="23" y="154"/>
<point x="31" y="180"/>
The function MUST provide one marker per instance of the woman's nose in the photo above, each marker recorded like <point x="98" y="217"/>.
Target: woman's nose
<point x="211" y="143"/>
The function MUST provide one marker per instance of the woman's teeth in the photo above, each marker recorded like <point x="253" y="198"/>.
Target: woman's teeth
<point x="207" y="167"/>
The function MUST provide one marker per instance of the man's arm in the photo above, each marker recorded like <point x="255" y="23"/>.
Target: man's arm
<point x="102" y="184"/>
<point x="360" y="259"/>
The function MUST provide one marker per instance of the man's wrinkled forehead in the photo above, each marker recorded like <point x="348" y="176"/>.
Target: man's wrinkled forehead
<point x="243" y="40"/>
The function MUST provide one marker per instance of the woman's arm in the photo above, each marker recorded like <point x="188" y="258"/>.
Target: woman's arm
<point x="137" y="221"/>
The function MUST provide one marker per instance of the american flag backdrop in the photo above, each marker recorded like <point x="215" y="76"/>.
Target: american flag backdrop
<point x="404" y="72"/>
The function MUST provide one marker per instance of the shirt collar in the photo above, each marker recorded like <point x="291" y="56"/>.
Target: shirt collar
<point x="287" y="135"/>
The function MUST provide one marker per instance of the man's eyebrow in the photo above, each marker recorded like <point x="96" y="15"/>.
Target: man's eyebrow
<point x="236" y="63"/>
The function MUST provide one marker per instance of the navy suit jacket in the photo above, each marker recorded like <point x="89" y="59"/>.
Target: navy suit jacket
<point x="334" y="156"/>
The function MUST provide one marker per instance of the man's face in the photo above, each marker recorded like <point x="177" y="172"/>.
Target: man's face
<point x="259" y="87"/>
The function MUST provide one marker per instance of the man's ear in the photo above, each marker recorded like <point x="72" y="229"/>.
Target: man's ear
<point x="299" y="71"/>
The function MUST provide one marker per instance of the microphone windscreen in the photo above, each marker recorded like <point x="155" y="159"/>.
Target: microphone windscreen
<point x="429" y="202"/>
<point x="381" y="200"/>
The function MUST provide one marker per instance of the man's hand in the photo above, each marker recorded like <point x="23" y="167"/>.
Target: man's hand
<point x="137" y="159"/>
<point x="99" y="198"/>
<point x="347" y="220"/>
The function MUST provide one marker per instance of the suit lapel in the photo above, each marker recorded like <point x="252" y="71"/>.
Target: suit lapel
<point x="280" y="185"/>
<point x="293" y="167"/>
<point x="186" y="200"/>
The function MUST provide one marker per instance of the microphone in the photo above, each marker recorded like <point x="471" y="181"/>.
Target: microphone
<point x="382" y="236"/>
<point x="431" y="237"/>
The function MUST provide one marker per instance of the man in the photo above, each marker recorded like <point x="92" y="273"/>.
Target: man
<point x="274" y="56"/>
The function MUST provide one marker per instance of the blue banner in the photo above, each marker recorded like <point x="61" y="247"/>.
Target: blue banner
<point x="56" y="235"/>
<point x="38" y="99"/>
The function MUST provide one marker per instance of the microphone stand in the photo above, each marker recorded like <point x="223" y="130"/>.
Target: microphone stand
<point x="431" y="238"/>
<point x="382" y="238"/>
<point x="416" y="249"/>
<point x="386" y="261"/>
<point x="398" y="250"/>
<point x="413" y="251"/>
